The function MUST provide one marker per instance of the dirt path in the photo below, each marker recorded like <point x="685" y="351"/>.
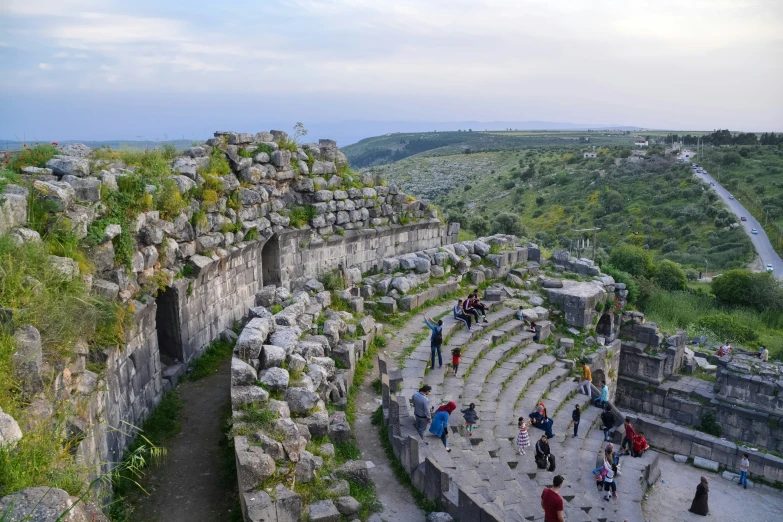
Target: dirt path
<point x="671" y="498"/>
<point x="398" y="504"/>
<point x="187" y="486"/>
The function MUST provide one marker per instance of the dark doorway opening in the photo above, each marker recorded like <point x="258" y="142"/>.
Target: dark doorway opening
<point x="270" y="262"/>
<point x="604" y="326"/>
<point x="168" y="326"/>
<point x="598" y="378"/>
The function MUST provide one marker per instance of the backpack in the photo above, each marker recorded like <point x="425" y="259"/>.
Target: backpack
<point x="437" y="338"/>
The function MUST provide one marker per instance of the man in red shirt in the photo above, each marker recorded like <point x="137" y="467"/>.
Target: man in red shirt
<point x="552" y="502"/>
<point x="630" y="433"/>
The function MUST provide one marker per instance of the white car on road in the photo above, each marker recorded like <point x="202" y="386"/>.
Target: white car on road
<point x="754" y="231"/>
<point x="769" y="267"/>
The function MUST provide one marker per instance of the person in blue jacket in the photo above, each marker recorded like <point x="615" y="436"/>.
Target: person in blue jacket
<point x="436" y="340"/>
<point x="440" y="422"/>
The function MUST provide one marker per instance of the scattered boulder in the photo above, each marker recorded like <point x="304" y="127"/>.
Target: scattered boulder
<point x="251" y="394"/>
<point x="276" y="379"/>
<point x="272" y="356"/>
<point x="339" y="488"/>
<point x="354" y="471"/>
<point x="10" y="433"/>
<point x="308" y="466"/>
<point x="69" y="166"/>
<point x="253" y="465"/>
<point x="27" y="360"/>
<point x="46" y="504"/>
<point x="300" y="400"/>
<point x="348" y="505"/>
<point x="242" y="373"/>
<point x="439" y="516"/>
<point x="323" y="511"/>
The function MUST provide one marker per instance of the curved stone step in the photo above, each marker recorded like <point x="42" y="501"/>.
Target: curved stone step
<point x="517" y="383"/>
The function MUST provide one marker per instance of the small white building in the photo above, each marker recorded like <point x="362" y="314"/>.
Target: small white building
<point x="640" y="143"/>
<point x="590" y="155"/>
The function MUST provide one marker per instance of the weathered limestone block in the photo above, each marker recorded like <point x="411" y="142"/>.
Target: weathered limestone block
<point x="10" y="433"/>
<point x="323" y="511"/>
<point x="354" y="471"/>
<point x="308" y="466"/>
<point x="27" y="359"/>
<point x="242" y="373"/>
<point x="300" y="400"/>
<point x="250" y="394"/>
<point x="348" y="505"/>
<point x="69" y="165"/>
<point x="253" y="337"/>
<point x="253" y="465"/>
<point x="339" y="429"/>
<point x="276" y="379"/>
<point x="46" y="504"/>
<point x="293" y="443"/>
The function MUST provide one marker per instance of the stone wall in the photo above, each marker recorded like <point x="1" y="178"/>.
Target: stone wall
<point x="677" y="439"/>
<point x="301" y="257"/>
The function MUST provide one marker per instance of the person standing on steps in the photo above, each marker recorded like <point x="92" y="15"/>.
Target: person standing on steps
<point x="699" y="505"/>
<point x="440" y="423"/>
<point x="630" y="433"/>
<point x="421" y="409"/>
<point x="576" y="416"/>
<point x="459" y="314"/>
<point x="587" y="379"/>
<point x="523" y="440"/>
<point x="607" y="417"/>
<point x="471" y="418"/>
<point x="744" y="467"/>
<point x="436" y="340"/>
<point x="544" y="457"/>
<point x="552" y="502"/>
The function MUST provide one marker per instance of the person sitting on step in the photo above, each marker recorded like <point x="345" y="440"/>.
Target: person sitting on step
<point x="459" y="314"/>
<point x="538" y="420"/>
<point x="639" y="444"/>
<point x="544" y="458"/>
<point x="478" y="305"/>
<point x="469" y="309"/>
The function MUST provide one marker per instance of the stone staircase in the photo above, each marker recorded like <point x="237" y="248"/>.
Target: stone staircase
<point x="506" y="374"/>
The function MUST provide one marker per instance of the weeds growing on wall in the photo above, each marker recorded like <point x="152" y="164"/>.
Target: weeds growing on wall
<point x="332" y="280"/>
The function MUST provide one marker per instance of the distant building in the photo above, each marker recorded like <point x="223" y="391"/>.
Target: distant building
<point x="640" y="143"/>
<point x="589" y="154"/>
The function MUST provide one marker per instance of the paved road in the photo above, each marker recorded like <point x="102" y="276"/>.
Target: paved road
<point x="760" y="240"/>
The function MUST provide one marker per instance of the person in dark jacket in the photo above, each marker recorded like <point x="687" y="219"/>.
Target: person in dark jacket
<point x="576" y="416"/>
<point x="607" y="418"/>
<point x="471" y="418"/>
<point x="544" y="457"/>
<point x="699" y="505"/>
<point x="538" y="420"/>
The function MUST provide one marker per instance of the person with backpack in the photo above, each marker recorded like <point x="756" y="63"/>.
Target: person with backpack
<point x="460" y="315"/>
<point x="436" y="340"/>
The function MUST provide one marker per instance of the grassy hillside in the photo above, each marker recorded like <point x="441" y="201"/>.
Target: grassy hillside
<point x="655" y="202"/>
<point x="382" y="150"/>
<point x="754" y="174"/>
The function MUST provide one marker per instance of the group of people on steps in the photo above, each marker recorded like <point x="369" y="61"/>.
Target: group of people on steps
<point x="633" y="443"/>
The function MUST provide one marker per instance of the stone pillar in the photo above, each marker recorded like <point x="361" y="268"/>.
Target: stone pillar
<point x="394" y="416"/>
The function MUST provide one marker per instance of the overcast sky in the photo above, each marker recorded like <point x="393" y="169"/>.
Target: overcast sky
<point x="107" y="69"/>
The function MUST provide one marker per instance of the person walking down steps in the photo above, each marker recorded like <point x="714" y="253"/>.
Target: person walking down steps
<point x="436" y="340"/>
<point x="523" y="440"/>
<point x="587" y="378"/>
<point x="456" y="354"/>
<point x="440" y="423"/>
<point x="422" y="413"/>
<point x="471" y="418"/>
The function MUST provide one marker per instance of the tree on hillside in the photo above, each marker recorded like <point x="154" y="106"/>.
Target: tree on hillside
<point x="632" y="259"/>
<point x="507" y="223"/>
<point x="479" y="226"/>
<point x="670" y="276"/>
<point x="743" y="288"/>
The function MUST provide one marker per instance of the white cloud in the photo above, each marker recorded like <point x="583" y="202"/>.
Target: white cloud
<point x="44" y="66"/>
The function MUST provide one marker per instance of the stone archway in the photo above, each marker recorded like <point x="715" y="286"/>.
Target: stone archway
<point x="605" y="326"/>
<point x="270" y="262"/>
